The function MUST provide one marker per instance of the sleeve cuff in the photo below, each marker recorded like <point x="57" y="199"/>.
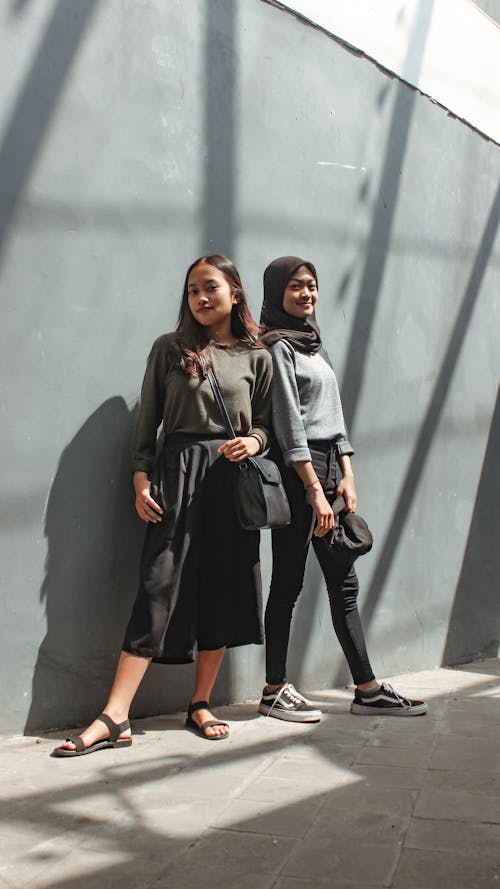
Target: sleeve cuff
<point x="296" y="455"/>
<point x="261" y="435"/>
<point x="343" y="448"/>
<point x="142" y="466"/>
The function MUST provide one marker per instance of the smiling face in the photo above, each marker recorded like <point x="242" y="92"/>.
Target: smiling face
<point x="301" y="294"/>
<point x="210" y="298"/>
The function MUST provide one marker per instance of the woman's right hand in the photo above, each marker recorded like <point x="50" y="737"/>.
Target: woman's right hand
<point x="147" y="509"/>
<point x="325" y="519"/>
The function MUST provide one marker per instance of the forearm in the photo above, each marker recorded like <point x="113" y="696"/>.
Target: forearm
<point x="315" y="496"/>
<point x="140" y="479"/>
<point x="346" y="466"/>
<point x="306" y="472"/>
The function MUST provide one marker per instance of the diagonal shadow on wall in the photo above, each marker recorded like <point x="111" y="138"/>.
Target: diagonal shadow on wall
<point x="378" y="250"/>
<point x="37" y="102"/>
<point x="219" y="126"/>
<point x="218" y="225"/>
<point x="383" y="218"/>
<point x="474" y="625"/>
<point x="436" y="404"/>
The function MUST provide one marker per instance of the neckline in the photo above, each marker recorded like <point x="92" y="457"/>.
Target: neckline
<point x="224" y="345"/>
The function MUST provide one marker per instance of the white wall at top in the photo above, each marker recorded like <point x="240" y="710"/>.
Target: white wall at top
<point x="449" y="49"/>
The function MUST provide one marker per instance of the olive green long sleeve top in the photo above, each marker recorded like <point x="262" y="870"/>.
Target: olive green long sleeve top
<point x="186" y="404"/>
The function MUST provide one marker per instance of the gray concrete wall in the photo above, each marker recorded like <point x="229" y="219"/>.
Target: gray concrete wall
<point x="136" y="136"/>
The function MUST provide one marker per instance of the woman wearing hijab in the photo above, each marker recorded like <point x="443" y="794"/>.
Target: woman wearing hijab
<point x="316" y="468"/>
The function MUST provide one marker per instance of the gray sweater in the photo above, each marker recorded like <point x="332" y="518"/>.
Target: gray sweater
<point x="186" y="404"/>
<point x="306" y="402"/>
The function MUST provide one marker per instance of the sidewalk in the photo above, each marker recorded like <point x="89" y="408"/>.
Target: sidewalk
<point x="352" y="803"/>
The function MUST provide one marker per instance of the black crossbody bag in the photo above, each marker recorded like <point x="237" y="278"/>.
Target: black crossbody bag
<point x="259" y="496"/>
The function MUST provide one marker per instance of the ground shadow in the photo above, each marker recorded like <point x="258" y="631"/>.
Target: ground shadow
<point x="144" y="821"/>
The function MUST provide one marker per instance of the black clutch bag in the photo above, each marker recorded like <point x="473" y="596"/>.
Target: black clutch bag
<point x="351" y="536"/>
<point x="259" y="496"/>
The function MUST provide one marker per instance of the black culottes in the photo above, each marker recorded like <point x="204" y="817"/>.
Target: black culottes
<point x="200" y="583"/>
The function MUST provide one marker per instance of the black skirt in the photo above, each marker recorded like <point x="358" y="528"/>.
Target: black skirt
<point x="200" y="583"/>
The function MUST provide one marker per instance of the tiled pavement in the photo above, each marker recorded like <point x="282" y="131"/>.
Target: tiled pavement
<point x="352" y="803"/>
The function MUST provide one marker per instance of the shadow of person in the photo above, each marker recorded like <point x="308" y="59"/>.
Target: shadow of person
<point x="94" y="540"/>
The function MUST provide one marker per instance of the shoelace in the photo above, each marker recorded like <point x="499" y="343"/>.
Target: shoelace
<point x="286" y="693"/>
<point x="301" y="698"/>
<point x="401" y="700"/>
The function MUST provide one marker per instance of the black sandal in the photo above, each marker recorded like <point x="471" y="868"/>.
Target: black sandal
<point x="200" y="729"/>
<point x="113" y="740"/>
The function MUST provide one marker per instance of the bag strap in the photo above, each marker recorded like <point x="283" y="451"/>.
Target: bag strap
<point x="338" y="506"/>
<point x="212" y="379"/>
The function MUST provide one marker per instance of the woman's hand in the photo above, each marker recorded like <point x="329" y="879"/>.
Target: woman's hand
<point x="347" y="489"/>
<point x="238" y="449"/>
<point x="147" y="509"/>
<point x="325" y="519"/>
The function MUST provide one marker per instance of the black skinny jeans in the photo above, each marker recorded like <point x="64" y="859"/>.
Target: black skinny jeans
<point x="290" y="548"/>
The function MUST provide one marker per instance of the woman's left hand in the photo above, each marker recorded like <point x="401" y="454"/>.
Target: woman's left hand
<point x="347" y="489"/>
<point x="238" y="449"/>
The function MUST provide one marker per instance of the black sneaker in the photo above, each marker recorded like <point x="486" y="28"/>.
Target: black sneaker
<point x="384" y="701"/>
<point x="288" y="704"/>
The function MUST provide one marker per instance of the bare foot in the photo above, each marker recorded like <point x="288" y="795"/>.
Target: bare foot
<point x="201" y="716"/>
<point x="98" y="731"/>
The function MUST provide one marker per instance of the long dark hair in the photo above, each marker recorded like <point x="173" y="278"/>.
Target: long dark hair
<point x="191" y="339"/>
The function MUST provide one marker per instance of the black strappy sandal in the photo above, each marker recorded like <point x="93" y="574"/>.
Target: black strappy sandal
<point x="113" y="740"/>
<point x="200" y="729"/>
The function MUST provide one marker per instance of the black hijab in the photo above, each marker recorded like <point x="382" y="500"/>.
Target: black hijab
<point x="278" y="324"/>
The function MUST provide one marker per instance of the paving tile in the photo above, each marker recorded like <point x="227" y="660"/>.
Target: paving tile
<point x="485" y="704"/>
<point x="207" y="782"/>
<point x="328" y="883"/>
<point x="373" y="826"/>
<point x="251" y="852"/>
<point x="88" y="870"/>
<point x="321" y="749"/>
<point x="393" y="801"/>
<point x="254" y="816"/>
<point x="182" y="818"/>
<point x="225" y="875"/>
<point x="314" y="858"/>
<point x="462" y="753"/>
<point x="419" y="869"/>
<point x="456" y="805"/>
<point x="319" y="772"/>
<point x="471" y="781"/>
<point x="390" y="776"/>
<point x="456" y="836"/>
<point x="279" y="791"/>
<point x="476" y="725"/>
<point x="489" y="666"/>
<point x="416" y="756"/>
<point x="404" y="732"/>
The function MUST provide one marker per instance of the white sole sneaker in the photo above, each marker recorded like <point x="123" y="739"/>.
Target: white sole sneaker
<point x="369" y="710"/>
<point x="290" y="715"/>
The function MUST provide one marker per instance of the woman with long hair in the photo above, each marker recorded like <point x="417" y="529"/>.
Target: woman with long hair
<point x="200" y="587"/>
<point x="315" y="463"/>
